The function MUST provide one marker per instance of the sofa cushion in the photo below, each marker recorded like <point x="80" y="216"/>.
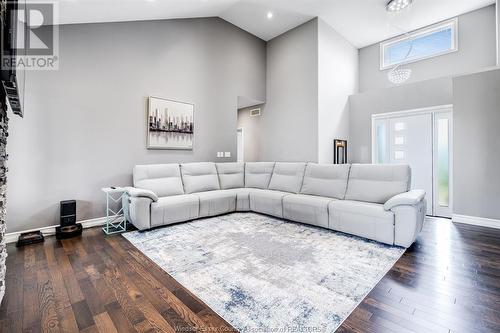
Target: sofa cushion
<point x="267" y="202"/>
<point x="258" y="174"/>
<point x="377" y="183"/>
<point x="363" y="219"/>
<point x="218" y="202"/>
<point x="163" y="179"/>
<point x="231" y="175"/>
<point x="173" y="209"/>
<point x="326" y="180"/>
<point x="287" y="177"/>
<point x="308" y="209"/>
<point x="242" y="198"/>
<point x="199" y="177"/>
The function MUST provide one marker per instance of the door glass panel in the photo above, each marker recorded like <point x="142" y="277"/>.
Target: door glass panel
<point x="399" y="126"/>
<point x="399" y="155"/>
<point x="381" y="137"/>
<point x="443" y="163"/>
<point x="399" y="140"/>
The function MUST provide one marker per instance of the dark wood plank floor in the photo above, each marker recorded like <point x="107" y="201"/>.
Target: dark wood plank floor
<point x="448" y="281"/>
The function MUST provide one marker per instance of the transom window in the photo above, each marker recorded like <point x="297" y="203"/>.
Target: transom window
<point x="422" y="44"/>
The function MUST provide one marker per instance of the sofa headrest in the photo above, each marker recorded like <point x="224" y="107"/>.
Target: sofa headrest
<point x="326" y="180"/>
<point x="377" y="182"/>
<point x="231" y="175"/>
<point x="199" y="177"/>
<point x="163" y="179"/>
<point x="287" y="177"/>
<point x="258" y="174"/>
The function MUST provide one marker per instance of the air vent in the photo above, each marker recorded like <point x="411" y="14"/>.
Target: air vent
<point x="255" y="112"/>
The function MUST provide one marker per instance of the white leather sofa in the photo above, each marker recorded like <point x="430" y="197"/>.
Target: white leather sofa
<point x="371" y="201"/>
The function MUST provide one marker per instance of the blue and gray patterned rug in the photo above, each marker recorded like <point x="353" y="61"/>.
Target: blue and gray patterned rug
<point x="263" y="274"/>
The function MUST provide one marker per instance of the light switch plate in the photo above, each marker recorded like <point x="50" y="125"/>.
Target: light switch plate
<point x="227" y="154"/>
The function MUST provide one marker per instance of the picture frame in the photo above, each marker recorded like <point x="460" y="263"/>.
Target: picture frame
<point x="170" y="124"/>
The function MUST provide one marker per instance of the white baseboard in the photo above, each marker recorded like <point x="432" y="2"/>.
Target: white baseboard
<point x="474" y="220"/>
<point x="12" y="237"/>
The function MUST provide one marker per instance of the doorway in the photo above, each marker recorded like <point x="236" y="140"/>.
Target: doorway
<point x="240" y="146"/>
<point x="422" y="139"/>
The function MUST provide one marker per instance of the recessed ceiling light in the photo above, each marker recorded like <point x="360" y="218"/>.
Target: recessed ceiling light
<point x="397" y="5"/>
<point x="270" y="15"/>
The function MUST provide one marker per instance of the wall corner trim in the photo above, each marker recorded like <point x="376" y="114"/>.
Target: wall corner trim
<point x="51" y="230"/>
<point x="475" y="220"/>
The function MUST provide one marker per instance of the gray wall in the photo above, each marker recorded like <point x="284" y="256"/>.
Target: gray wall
<point x="289" y="123"/>
<point x="85" y="124"/>
<point x="476" y="155"/>
<point x="406" y="97"/>
<point x="251" y="133"/>
<point x="477" y="49"/>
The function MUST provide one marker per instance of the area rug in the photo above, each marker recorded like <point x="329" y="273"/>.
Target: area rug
<point x="263" y="274"/>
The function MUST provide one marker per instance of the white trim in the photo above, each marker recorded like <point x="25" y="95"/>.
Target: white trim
<point x="437" y="209"/>
<point x="476" y="220"/>
<point x="413" y="112"/>
<point x="433" y="111"/>
<point x="240" y="129"/>
<point x="12" y="237"/>
<point x="404" y="113"/>
<point x="453" y="23"/>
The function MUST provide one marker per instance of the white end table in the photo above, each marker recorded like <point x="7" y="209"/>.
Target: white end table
<point x="116" y="222"/>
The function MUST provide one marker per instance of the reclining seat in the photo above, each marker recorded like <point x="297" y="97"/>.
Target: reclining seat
<point x="158" y="198"/>
<point x="375" y="193"/>
<point x="323" y="183"/>
<point x="286" y="179"/>
<point x="232" y="180"/>
<point x="202" y="180"/>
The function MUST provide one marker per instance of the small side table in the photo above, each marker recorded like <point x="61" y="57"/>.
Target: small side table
<point x="116" y="222"/>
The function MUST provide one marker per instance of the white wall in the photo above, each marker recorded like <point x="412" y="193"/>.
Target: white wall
<point x="477" y="49"/>
<point x="85" y="124"/>
<point x="311" y="71"/>
<point x="251" y="133"/>
<point x="338" y="78"/>
<point x="289" y="123"/>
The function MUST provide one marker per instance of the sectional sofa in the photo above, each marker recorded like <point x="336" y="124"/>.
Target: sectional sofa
<point x="371" y="201"/>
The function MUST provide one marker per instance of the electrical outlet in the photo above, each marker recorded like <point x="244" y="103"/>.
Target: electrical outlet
<point x="219" y="154"/>
<point x="227" y="154"/>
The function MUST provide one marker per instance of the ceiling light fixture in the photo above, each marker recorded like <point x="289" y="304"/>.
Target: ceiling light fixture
<point x="397" y="5"/>
<point x="270" y="15"/>
<point x="399" y="74"/>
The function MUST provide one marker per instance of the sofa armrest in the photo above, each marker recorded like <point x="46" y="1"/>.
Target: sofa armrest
<point x="139" y="212"/>
<point x="410" y="198"/>
<point x="141" y="193"/>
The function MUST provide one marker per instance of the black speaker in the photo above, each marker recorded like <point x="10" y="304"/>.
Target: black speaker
<point x="68" y="212"/>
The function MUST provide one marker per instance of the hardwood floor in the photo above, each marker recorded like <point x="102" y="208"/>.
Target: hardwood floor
<point x="448" y="281"/>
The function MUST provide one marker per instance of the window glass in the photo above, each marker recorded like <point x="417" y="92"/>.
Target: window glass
<point x="443" y="163"/>
<point x="422" y="44"/>
<point x="381" y="137"/>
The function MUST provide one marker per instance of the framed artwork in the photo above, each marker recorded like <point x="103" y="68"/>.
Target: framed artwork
<point x="339" y="151"/>
<point x="170" y="124"/>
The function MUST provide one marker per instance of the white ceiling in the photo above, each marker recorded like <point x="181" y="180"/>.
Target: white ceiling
<point x="362" y="22"/>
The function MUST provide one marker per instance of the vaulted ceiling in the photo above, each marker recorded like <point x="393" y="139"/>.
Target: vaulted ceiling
<point x="362" y="22"/>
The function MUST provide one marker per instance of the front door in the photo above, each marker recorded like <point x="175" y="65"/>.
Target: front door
<point x="422" y="140"/>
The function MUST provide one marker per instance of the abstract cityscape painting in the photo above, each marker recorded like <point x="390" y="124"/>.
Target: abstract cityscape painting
<point x="170" y="124"/>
